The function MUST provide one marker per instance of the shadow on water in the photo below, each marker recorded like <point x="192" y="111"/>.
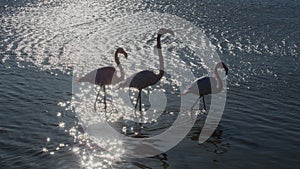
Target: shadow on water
<point x="163" y="158"/>
<point x="217" y="140"/>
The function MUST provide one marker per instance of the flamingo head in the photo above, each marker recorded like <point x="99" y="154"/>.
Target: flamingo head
<point x="225" y="68"/>
<point x="164" y="31"/>
<point x="121" y="50"/>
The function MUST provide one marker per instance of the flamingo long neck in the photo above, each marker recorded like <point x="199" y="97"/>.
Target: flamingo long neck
<point x="219" y="81"/>
<point x="161" y="59"/>
<point x="117" y="60"/>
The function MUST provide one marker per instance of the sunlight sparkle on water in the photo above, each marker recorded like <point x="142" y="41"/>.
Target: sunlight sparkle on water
<point x="45" y="150"/>
<point x="61" y="125"/>
<point x="58" y="114"/>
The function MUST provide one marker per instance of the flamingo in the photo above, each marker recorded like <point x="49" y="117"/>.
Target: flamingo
<point x="207" y="85"/>
<point x="105" y="76"/>
<point x="147" y="78"/>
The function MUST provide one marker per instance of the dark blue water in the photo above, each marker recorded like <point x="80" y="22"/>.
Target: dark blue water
<point x="258" y="40"/>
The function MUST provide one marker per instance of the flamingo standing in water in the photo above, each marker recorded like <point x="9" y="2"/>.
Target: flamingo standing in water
<point x="207" y="85"/>
<point x="105" y="76"/>
<point x="147" y="78"/>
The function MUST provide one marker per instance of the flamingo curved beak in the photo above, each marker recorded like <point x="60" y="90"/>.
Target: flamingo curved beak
<point x="125" y="54"/>
<point x="225" y="68"/>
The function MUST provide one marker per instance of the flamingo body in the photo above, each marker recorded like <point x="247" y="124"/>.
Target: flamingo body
<point x="141" y="80"/>
<point x="102" y="76"/>
<point x="202" y="86"/>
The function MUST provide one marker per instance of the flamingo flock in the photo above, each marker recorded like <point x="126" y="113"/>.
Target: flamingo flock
<point x="107" y="76"/>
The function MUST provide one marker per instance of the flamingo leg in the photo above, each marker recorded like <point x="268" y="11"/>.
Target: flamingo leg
<point x="137" y="100"/>
<point x="95" y="106"/>
<point x="204" y="105"/>
<point x="105" y="106"/>
<point x="141" y="113"/>
<point x="195" y="102"/>
<point x="140" y="100"/>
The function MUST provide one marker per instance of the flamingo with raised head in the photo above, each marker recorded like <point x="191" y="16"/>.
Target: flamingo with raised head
<point x="105" y="76"/>
<point x="207" y="85"/>
<point x="147" y="78"/>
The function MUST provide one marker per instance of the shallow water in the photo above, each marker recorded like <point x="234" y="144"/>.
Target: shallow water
<point x="39" y="49"/>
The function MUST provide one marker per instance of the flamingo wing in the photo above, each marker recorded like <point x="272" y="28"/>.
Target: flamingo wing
<point x="141" y="80"/>
<point x="105" y="75"/>
<point x="101" y="76"/>
<point x="90" y="77"/>
<point x="206" y="84"/>
<point x="201" y="86"/>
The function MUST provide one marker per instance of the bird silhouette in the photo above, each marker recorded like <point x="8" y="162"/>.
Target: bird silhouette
<point x="105" y="76"/>
<point x="207" y="85"/>
<point x="147" y="78"/>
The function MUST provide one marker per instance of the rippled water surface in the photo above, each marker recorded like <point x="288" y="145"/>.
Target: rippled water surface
<point x="42" y="43"/>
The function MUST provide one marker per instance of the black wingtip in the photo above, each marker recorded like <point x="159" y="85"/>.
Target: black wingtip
<point x="225" y="68"/>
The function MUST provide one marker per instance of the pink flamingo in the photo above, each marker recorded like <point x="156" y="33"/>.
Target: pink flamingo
<point x="147" y="78"/>
<point x="207" y="85"/>
<point x="105" y="76"/>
